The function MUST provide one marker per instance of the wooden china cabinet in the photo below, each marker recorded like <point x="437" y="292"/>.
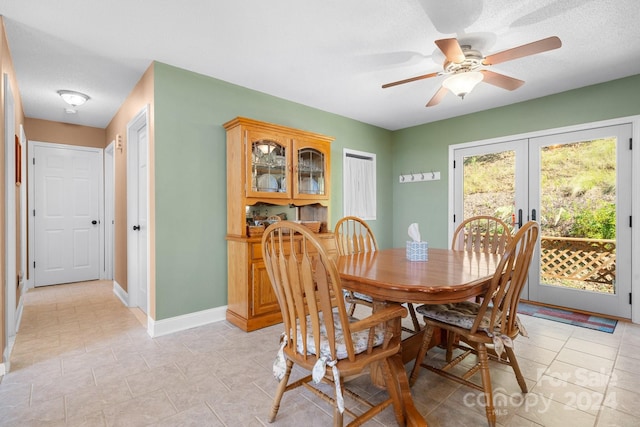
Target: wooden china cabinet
<point x="269" y="166"/>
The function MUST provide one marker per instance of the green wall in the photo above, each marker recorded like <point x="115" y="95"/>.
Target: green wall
<point x="190" y="109"/>
<point x="426" y="147"/>
<point x="190" y="178"/>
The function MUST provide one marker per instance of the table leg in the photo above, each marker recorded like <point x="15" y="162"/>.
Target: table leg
<point x="411" y="414"/>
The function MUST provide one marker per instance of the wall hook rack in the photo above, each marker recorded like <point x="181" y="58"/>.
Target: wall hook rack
<point x="419" y="177"/>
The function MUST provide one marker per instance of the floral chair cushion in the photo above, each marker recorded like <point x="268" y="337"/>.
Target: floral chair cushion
<point x="363" y="297"/>
<point x="360" y="338"/>
<point x="462" y="314"/>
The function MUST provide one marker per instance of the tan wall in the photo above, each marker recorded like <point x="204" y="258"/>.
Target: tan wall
<point x="64" y="133"/>
<point x="6" y="67"/>
<point x="140" y="96"/>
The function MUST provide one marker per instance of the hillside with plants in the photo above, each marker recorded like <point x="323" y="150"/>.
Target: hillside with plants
<point x="578" y="188"/>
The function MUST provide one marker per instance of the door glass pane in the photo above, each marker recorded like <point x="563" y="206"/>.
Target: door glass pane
<point x="489" y="185"/>
<point x="578" y="215"/>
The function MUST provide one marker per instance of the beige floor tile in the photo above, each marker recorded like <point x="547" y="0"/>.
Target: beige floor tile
<point x="547" y="412"/>
<point x="593" y="380"/>
<point x="584" y="360"/>
<point x="569" y="394"/>
<point x="197" y="416"/>
<point x="83" y="359"/>
<point x="93" y="399"/>
<point x="140" y="411"/>
<point x="611" y="418"/>
<point x="625" y="380"/>
<point x="593" y="348"/>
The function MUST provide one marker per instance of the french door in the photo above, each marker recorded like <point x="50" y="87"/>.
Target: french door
<point x="577" y="186"/>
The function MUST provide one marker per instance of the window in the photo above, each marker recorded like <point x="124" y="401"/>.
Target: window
<point x="359" y="184"/>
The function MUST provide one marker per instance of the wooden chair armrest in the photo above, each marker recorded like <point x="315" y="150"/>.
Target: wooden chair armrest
<point x="380" y="316"/>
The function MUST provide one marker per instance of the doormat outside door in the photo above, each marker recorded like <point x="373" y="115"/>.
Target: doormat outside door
<point x="570" y="317"/>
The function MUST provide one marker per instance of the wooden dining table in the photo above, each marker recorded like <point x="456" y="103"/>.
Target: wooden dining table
<point x="390" y="278"/>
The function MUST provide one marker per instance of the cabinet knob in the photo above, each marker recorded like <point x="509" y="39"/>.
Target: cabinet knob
<point x="136" y="227"/>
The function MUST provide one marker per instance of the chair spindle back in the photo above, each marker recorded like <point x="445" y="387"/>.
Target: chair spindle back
<point x="307" y="284"/>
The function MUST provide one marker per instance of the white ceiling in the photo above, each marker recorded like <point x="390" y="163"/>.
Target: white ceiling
<point x="333" y="55"/>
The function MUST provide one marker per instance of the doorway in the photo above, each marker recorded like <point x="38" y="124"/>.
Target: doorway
<point x="577" y="186"/>
<point x="109" y="210"/>
<point x="65" y="184"/>
<point x="137" y="211"/>
<point x="10" y="243"/>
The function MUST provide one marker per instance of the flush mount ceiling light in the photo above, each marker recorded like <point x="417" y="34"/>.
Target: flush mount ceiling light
<point x="73" y="98"/>
<point x="462" y="83"/>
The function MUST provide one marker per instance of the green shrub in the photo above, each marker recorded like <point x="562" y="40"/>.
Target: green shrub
<point x="599" y="223"/>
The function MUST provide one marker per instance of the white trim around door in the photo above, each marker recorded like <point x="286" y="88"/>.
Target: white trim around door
<point x="633" y="193"/>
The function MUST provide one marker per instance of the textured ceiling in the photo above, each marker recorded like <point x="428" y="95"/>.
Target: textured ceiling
<point x="333" y="55"/>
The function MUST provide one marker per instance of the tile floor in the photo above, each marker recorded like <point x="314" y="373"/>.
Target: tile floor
<point x="83" y="359"/>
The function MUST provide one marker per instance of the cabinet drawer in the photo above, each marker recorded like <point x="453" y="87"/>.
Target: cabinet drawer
<point x="256" y="249"/>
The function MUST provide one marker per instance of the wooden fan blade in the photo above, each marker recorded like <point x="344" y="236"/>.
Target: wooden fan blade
<point x="540" y="46"/>
<point x="500" y="80"/>
<point x="412" y="79"/>
<point x="451" y="49"/>
<point x="437" y="97"/>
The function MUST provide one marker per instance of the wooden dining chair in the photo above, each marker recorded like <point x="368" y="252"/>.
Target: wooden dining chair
<point x="319" y="335"/>
<point x="481" y="233"/>
<point x="353" y="236"/>
<point x="485" y="329"/>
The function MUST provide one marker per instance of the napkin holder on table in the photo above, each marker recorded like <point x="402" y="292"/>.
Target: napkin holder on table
<point x="416" y="248"/>
<point x="417" y="251"/>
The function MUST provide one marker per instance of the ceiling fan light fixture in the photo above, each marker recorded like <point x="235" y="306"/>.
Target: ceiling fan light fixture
<point x="461" y="84"/>
<point x="73" y="98"/>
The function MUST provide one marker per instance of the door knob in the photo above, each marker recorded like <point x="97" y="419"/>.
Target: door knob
<point x="94" y="222"/>
<point x="136" y="227"/>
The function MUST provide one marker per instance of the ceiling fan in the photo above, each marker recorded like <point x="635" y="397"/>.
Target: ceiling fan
<point x="464" y="66"/>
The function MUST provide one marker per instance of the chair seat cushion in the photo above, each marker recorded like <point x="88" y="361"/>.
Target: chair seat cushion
<point x="462" y="314"/>
<point x="360" y="339"/>
<point x="363" y="297"/>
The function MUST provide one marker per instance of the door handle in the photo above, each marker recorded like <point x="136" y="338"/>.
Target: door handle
<point x="519" y="218"/>
<point x="94" y="222"/>
<point x="136" y="227"/>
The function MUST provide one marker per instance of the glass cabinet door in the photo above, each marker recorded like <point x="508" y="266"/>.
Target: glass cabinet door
<point x="311" y="173"/>
<point x="267" y="168"/>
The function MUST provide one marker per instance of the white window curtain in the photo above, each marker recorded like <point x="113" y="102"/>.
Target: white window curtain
<point x="359" y="184"/>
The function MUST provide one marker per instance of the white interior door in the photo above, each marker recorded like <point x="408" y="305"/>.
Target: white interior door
<point x="10" y="213"/>
<point x="137" y="197"/>
<point x="109" y="210"/>
<point x="67" y="194"/>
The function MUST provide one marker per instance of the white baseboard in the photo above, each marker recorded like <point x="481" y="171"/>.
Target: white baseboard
<point x="19" y="313"/>
<point x="121" y="293"/>
<point x="156" y="328"/>
<point x="6" y="367"/>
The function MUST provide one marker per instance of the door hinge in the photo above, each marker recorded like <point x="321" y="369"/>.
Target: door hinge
<point x="454" y="164"/>
<point x="34" y="264"/>
<point x="630" y="143"/>
<point x="34" y="212"/>
<point x="630" y="221"/>
<point x="629" y="297"/>
<point x="454" y="218"/>
<point x="33" y="160"/>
